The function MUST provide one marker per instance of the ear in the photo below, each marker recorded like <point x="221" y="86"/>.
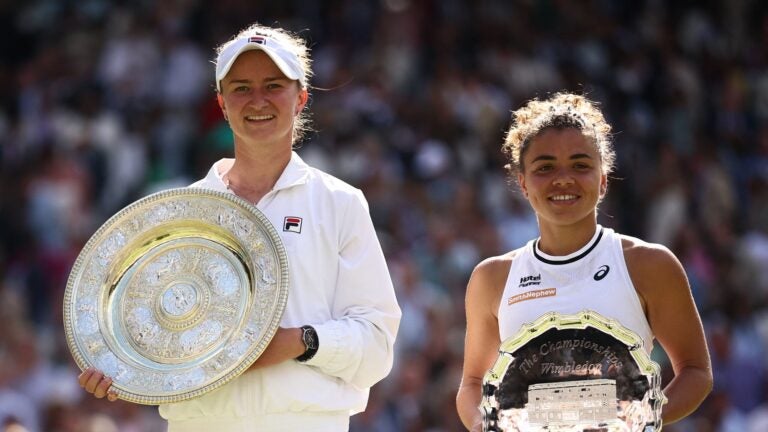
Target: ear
<point x="521" y="182"/>
<point x="303" y="98"/>
<point x="603" y="185"/>
<point x="220" y="100"/>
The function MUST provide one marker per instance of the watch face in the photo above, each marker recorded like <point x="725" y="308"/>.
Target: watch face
<point x="310" y="338"/>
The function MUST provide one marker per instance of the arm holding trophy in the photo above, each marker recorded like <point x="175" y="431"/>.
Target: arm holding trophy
<point x="661" y="282"/>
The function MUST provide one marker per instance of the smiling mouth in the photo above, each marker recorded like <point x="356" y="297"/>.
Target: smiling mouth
<point x="259" y="117"/>
<point x="563" y="198"/>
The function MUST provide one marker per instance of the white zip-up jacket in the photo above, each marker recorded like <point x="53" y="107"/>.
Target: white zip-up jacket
<point x="339" y="284"/>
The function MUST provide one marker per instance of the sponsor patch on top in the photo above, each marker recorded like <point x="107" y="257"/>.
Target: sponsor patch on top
<point x="531" y="295"/>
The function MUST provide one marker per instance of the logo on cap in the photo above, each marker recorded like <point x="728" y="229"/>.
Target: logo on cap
<point x="261" y="40"/>
<point x="292" y="224"/>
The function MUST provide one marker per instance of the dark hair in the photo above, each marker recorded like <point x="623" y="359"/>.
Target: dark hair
<point x="562" y="110"/>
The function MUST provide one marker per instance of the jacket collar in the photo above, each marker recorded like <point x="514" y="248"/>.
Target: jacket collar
<point x="295" y="173"/>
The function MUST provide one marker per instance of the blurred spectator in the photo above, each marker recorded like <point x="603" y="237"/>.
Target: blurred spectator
<point x="104" y="102"/>
<point x="739" y="368"/>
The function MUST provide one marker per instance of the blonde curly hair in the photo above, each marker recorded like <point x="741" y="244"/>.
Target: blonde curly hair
<point x="560" y="111"/>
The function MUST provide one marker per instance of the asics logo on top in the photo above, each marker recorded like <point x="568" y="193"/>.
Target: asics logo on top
<point x="602" y="272"/>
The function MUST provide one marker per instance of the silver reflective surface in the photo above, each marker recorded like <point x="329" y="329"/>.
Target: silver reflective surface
<point x="573" y="373"/>
<point x="176" y="294"/>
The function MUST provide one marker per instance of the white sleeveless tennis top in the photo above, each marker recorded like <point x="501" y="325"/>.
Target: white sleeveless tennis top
<point x="595" y="277"/>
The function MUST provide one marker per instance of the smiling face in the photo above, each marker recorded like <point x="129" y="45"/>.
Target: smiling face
<point x="260" y="102"/>
<point x="562" y="177"/>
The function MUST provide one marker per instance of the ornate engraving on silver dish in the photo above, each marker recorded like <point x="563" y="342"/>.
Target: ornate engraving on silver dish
<point x="176" y="294"/>
<point x="573" y="373"/>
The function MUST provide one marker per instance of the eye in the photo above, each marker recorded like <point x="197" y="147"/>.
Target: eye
<point x="274" y="86"/>
<point x="582" y="166"/>
<point x="241" y="89"/>
<point x="542" y="168"/>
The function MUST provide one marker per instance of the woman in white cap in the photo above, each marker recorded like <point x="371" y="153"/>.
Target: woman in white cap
<point x="561" y="155"/>
<point x="338" y="329"/>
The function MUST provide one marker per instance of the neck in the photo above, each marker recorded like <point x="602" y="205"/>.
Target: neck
<point x="560" y="240"/>
<point x="252" y="174"/>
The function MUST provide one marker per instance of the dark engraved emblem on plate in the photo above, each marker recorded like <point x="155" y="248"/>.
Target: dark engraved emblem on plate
<point x="579" y="372"/>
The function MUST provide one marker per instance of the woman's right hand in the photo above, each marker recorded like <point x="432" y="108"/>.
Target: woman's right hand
<point x="93" y="381"/>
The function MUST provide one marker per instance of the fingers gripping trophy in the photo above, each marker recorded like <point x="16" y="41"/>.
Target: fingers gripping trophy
<point x="560" y="331"/>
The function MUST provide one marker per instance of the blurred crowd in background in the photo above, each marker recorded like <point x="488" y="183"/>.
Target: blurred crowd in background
<point x="104" y="102"/>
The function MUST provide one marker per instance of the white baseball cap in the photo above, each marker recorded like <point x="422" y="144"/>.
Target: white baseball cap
<point x="282" y="54"/>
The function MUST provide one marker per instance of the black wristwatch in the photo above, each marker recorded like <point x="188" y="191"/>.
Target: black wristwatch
<point x="311" y="342"/>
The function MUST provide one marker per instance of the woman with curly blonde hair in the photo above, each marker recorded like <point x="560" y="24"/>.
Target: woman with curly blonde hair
<point x="560" y="153"/>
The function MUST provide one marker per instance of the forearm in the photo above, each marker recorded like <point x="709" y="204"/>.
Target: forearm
<point x="467" y="403"/>
<point x="685" y="393"/>
<point x="357" y="350"/>
<point x="285" y="345"/>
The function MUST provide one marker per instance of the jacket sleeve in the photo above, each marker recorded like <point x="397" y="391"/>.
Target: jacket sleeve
<point x="357" y="345"/>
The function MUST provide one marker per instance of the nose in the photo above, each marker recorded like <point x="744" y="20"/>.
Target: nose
<point x="259" y="99"/>
<point x="562" y="178"/>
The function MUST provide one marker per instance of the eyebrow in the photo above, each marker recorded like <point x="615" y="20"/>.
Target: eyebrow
<point x="551" y="158"/>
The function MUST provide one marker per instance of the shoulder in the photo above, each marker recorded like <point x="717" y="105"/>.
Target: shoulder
<point x="486" y="284"/>
<point x="320" y="180"/>
<point x="337" y="200"/>
<point x="212" y="178"/>
<point x="496" y="265"/>
<point x="198" y="184"/>
<point x="643" y="255"/>
<point x="655" y="271"/>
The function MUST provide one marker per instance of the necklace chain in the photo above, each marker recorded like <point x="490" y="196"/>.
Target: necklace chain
<point x="227" y="184"/>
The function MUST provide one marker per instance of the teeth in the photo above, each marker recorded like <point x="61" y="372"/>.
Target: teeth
<point x="261" y="117"/>
<point x="563" y="197"/>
